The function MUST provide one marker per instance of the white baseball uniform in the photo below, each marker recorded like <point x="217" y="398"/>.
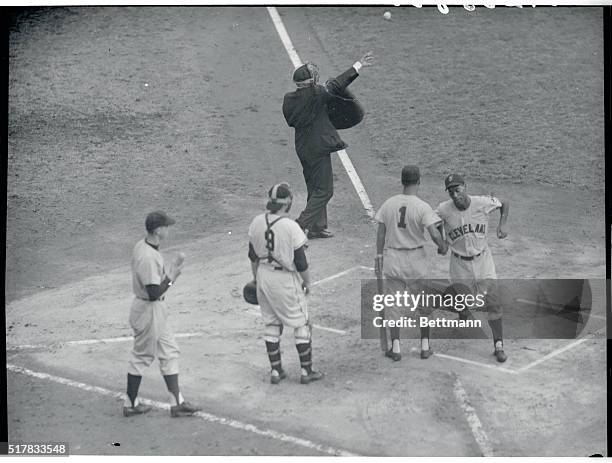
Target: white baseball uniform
<point x="471" y="261"/>
<point x="405" y="262"/>
<point x="148" y="319"/>
<point x="466" y="231"/>
<point x="406" y="218"/>
<point x="279" y="286"/>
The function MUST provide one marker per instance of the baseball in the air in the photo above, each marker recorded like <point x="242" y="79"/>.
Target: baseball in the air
<point x="387" y="15"/>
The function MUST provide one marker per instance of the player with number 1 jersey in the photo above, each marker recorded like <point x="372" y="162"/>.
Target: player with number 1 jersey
<point x="401" y="256"/>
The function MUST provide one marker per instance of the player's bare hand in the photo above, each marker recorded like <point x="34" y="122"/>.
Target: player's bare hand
<point x="306" y="288"/>
<point x="179" y="260"/>
<point x="367" y="59"/>
<point x="501" y="232"/>
<point x="443" y="249"/>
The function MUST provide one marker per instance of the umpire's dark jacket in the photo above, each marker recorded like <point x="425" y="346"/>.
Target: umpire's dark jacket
<point x="305" y="110"/>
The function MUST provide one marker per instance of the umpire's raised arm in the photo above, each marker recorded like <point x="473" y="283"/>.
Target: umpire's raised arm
<point x="337" y="85"/>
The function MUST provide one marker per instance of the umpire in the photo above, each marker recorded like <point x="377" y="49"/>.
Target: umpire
<point x="306" y="109"/>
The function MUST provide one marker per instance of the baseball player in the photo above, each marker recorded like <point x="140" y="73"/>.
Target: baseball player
<point x="280" y="271"/>
<point x="151" y="278"/>
<point x="466" y="221"/>
<point x="316" y="138"/>
<point x="402" y="222"/>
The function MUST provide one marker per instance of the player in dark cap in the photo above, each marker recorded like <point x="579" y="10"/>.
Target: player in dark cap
<point x="466" y="222"/>
<point x="316" y="137"/>
<point x="401" y="257"/>
<point x="151" y="278"/>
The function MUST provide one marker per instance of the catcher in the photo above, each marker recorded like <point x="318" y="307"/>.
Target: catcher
<point x="280" y="272"/>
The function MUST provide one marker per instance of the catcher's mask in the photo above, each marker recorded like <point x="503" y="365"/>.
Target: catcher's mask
<point x="280" y="195"/>
<point x="306" y="75"/>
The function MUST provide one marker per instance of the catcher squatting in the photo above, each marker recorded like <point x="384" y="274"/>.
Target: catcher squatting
<point x="281" y="279"/>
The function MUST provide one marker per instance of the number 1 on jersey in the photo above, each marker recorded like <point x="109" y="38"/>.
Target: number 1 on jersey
<point x="402" y="222"/>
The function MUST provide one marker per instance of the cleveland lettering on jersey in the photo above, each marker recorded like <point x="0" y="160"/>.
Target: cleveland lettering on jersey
<point x="477" y="228"/>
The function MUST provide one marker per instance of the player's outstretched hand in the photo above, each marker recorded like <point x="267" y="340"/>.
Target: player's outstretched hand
<point x="501" y="232"/>
<point x="367" y="59"/>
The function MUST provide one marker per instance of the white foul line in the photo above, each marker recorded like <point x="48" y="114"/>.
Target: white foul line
<point x="337" y="275"/>
<point x="479" y="364"/>
<point x="556" y="352"/>
<point x="470" y="414"/>
<point x="284" y="36"/>
<point x="203" y="415"/>
<point x="359" y="188"/>
<point x="342" y="154"/>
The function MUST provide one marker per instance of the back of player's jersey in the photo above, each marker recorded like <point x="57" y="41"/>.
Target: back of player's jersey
<point x="283" y="238"/>
<point x="406" y="218"/>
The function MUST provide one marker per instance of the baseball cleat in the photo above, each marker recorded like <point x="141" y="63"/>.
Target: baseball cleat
<point x="500" y="355"/>
<point x="184" y="409"/>
<point x="396" y="356"/>
<point x="276" y="379"/>
<point x="139" y="409"/>
<point x="312" y="376"/>
<point x="319" y="234"/>
<point x="425" y="354"/>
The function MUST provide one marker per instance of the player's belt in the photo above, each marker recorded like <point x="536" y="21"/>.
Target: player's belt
<point x="163" y="297"/>
<point x="275" y="267"/>
<point x="466" y="257"/>
<point x="407" y="249"/>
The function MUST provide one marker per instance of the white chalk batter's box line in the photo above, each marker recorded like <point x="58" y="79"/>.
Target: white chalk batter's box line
<point x="232" y="423"/>
<point x="254" y="312"/>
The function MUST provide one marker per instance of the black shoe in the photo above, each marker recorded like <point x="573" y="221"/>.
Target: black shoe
<point x="184" y="409"/>
<point x="393" y="355"/>
<point x="500" y="355"/>
<point x="276" y="379"/>
<point x="319" y="234"/>
<point x="139" y="409"/>
<point x="425" y="354"/>
<point x="310" y="377"/>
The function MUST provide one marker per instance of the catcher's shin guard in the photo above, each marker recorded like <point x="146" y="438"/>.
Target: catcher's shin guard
<point x="305" y="353"/>
<point x="274" y="354"/>
<point x="344" y="110"/>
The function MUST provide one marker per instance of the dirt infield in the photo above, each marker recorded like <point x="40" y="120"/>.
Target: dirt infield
<point x="117" y="111"/>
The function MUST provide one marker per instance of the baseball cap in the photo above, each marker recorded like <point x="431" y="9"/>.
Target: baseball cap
<point x="280" y="194"/>
<point x="453" y="180"/>
<point x="158" y="219"/>
<point x="410" y="175"/>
